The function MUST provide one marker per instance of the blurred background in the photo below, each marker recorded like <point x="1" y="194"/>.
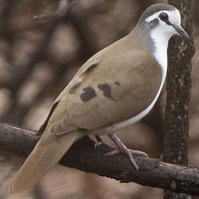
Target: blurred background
<point x="39" y="56"/>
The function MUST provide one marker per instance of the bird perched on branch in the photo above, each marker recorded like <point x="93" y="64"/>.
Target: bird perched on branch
<point x="115" y="88"/>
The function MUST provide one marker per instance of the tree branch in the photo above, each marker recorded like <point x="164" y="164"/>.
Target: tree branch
<point x="176" y="136"/>
<point x="83" y="156"/>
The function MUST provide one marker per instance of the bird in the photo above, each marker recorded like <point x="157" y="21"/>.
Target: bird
<point x="113" y="89"/>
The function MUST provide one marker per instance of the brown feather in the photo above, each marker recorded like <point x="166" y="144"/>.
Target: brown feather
<point x="45" y="155"/>
<point x="115" y="84"/>
<point x="98" y="101"/>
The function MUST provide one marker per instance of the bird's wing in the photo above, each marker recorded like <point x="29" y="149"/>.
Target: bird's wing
<point x="110" y="87"/>
<point x="76" y="81"/>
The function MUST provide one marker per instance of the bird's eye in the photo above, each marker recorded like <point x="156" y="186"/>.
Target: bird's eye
<point x="163" y="16"/>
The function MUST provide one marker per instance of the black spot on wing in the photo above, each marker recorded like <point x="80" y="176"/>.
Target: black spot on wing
<point x="88" y="94"/>
<point x="106" y="90"/>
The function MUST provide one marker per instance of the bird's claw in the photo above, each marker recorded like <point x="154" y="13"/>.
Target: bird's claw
<point x="130" y="154"/>
<point x="121" y="148"/>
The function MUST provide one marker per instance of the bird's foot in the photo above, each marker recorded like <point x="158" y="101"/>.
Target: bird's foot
<point x="121" y="148"/>
<point x="134" y="152"/>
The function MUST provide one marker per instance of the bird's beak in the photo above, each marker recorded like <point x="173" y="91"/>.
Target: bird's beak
<point x="181" y="32"/>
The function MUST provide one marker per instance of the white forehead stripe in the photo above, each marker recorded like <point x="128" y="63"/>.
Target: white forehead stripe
<point x="155" y="15"/>
<point x="174" y="16"/>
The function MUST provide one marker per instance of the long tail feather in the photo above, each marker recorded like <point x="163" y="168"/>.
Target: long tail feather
<point x="44" y="156"/>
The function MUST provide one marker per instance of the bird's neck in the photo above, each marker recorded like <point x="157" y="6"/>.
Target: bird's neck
<point x="155" y="42"/>
<point x="160" y="42"/>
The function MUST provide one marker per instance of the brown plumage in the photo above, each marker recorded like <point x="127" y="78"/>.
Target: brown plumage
<point x="114" y="85"/>
<point x="72" y="113"/>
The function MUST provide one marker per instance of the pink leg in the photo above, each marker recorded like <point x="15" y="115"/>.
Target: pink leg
<point x="122" y="148"/>
<point x="100" y="142"/>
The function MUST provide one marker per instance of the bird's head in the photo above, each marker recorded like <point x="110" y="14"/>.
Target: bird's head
<point x="163" y="21"/>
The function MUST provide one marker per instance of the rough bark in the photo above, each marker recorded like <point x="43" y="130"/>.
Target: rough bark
<point x="84" y="156"/>
<point x="178" y="95"/>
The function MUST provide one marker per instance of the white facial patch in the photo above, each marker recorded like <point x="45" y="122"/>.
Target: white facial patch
<point x="161" y="34"/>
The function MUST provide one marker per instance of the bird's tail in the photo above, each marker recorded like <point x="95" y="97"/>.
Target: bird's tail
<point x="44" y="156"/>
